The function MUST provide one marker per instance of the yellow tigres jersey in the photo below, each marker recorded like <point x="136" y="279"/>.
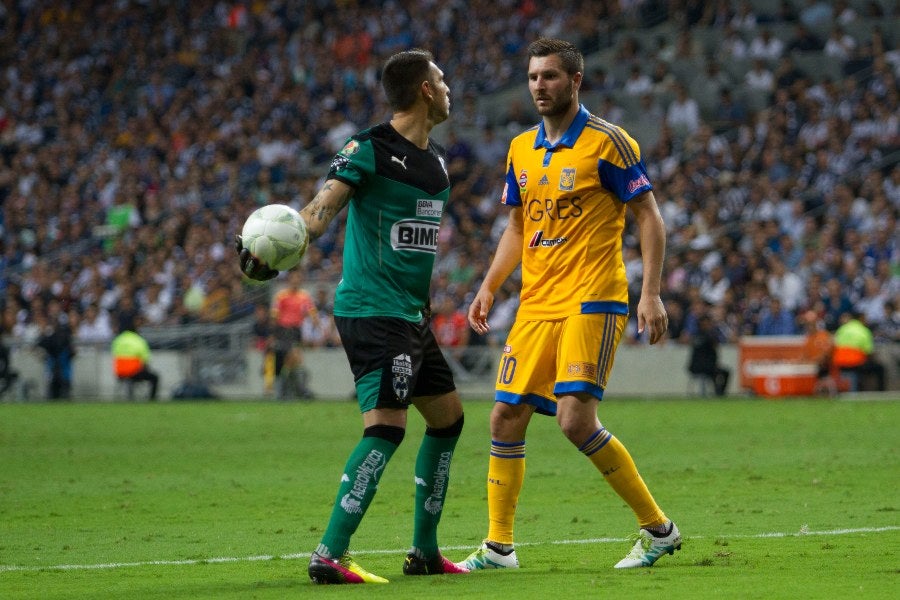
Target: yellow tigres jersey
<point x="573" y="196"/>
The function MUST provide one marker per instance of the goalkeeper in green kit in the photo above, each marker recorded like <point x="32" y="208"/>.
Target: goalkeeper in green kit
<point x="394" y="179"/>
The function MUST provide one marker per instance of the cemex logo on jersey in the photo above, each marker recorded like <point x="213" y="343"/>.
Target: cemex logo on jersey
<point x="415" y="235"/>
<point x="538" y="241"/>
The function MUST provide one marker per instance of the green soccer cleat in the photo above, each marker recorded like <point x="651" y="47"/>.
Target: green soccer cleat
<point x="648" y="548"/>
<point x="488" y="557"/>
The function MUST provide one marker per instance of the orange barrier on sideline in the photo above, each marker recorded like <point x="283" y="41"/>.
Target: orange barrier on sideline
<point x="774" y="365"/>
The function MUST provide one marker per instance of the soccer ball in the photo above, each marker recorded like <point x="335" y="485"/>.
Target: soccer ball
<point x="276" y="235"/>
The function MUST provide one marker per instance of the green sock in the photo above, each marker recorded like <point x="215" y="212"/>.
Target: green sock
<point x="432" y="477"/>
<point x="358" y="486"/>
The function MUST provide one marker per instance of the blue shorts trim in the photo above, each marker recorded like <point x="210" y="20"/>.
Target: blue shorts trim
<point x="541" y="404"/>
<point x="567" y="387"/>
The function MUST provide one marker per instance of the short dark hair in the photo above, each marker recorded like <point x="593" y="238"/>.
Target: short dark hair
<point x="571" y="56"/>
<point x="402" y="75"/>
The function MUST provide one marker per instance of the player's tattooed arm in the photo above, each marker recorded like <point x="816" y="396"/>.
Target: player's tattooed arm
<point x="328" y="202"/>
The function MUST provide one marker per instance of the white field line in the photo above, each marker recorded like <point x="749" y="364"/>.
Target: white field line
<point x="300" y="555"/>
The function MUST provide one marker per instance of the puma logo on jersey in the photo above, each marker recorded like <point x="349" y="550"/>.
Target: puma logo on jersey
<point x="402" y="163"/>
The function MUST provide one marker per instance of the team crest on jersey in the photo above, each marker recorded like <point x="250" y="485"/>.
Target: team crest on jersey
<point x="567" y="179"/>
<point x="351" y="148"/>
<point x="523" y="179"/>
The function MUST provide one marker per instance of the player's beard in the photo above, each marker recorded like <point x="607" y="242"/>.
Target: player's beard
<point x="439" y="112"/>
<point x="560" y="105"/>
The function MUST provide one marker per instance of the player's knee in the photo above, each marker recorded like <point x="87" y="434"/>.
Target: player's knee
<point x="390" y="433"/>
<point x="451" y="431"/>
<point x="509" y="422"/>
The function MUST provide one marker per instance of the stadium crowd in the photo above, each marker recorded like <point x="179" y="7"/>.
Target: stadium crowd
<point x="136" y="136"/>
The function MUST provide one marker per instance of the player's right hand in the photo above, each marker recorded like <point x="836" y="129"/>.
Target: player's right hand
<point x="251" y="266"/>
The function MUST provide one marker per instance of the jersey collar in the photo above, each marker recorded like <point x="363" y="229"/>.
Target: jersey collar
<point x="569" y="137"/>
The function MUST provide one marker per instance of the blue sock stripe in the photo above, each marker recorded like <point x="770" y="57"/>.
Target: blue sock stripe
<point x="508" y="450"/>
<point x="595" y="442"/>
<point x="507" y="444"/>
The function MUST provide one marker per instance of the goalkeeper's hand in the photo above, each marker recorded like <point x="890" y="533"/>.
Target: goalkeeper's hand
<point x="251" y="266"/>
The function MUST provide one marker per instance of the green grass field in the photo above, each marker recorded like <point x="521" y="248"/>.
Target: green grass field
<point x="776" y="499"/>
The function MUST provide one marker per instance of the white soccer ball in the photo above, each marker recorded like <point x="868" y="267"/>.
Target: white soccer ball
<point x="276" y="235"/>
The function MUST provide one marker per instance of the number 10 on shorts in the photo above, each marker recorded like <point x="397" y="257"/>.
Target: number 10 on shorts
<point x="507" y="370"/>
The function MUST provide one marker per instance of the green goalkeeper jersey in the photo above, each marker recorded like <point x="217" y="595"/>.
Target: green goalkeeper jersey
<point x="392" y="223"/>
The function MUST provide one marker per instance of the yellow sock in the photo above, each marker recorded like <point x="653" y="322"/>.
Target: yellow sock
<point x="506" y="472"/>
<point x="613" y="460"/>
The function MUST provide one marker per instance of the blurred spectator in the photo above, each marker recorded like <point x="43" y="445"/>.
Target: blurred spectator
<point x="804" y="40"/>
<point x="840" y="45"/>
<point x="784" y="284"/>
<point x="55" y="340"/>
<point x="704" y="358"/>
<point x="842" y="13"/>
<point x="733" y="46"/>
<point x="683" y="113"/>
<point x="450" y="327"/>
<point x="745" y="18"/>
<point x="94" y="327"/>
<point x="818" y="347"/>
<point x="291" y="306"/>
<point x="490" y="149"/>
<point x="638" y="82"/>
<point x="8" y="376"/>
<point x="775" y="319"/>
<point x="319" y="330"/>
<point x="612" y="112"/>
<point x="759" y="77"/>
<point x="766" y="46"/>
<point x="815" y="13"/>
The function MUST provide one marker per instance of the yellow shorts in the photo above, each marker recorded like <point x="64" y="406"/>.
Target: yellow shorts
<point x="543" y="359"/>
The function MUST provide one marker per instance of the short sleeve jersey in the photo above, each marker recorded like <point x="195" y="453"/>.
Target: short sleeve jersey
<point x="573" y="194"/>
<point x="400" y="192"/>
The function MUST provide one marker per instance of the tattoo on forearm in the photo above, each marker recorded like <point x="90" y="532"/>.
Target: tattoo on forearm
<point x="324" y="210"/>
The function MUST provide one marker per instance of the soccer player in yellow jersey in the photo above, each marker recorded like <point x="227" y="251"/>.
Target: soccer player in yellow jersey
<point x="568" y="182"/>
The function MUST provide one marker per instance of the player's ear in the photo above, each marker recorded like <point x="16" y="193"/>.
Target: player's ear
<point x="576" y="80"/>
<point x="427" y="91"/>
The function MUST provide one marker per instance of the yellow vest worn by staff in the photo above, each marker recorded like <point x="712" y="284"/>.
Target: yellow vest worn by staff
<point x="853" y="344"/>
<point x="130" y="353"/>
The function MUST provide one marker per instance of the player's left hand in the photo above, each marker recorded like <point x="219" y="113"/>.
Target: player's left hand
<point x="478" y="311"/>
<point x="251" y="266"/>
<point x="652" y="316"/>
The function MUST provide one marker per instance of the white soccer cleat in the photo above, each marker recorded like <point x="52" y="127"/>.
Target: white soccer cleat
<point x="648" y="548"/>
<point x="485" y="557"/>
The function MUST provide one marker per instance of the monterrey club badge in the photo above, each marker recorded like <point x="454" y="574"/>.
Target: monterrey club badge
<point x="401" y="372"/>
